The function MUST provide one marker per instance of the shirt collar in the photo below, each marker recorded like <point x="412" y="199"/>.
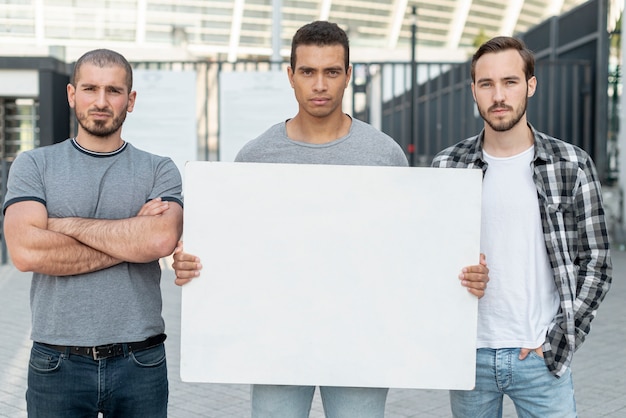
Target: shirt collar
<point x="475" y="154"/>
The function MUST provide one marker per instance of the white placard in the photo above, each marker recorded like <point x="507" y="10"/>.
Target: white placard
<point x="251" y="102"/>
<point x="330" y="275"/>
<point x="163" y="121"/>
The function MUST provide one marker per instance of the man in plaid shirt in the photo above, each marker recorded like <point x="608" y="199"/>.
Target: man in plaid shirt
<point x="544" y="234"/>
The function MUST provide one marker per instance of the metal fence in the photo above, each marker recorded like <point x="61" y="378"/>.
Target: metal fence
<point x="439" y="112"/>
<point x="443" y="111"/>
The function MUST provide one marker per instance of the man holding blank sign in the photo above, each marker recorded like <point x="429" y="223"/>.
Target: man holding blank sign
<point x="321" y="133"/>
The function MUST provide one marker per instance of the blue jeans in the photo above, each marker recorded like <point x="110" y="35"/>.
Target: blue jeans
<point x="66" y="385"/>
<point x="535" y="392"/>
<point x="274" y="401"/>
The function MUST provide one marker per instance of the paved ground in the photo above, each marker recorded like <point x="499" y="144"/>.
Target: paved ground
<point x="599" y="366"/>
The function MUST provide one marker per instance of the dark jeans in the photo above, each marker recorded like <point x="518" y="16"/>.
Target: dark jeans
<point x="65" y="385"/>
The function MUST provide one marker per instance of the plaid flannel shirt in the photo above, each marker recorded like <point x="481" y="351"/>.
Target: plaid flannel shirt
<point x="574" y="231"/>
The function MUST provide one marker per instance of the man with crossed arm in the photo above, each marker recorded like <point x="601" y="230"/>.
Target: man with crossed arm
<point x="90" y="217"/>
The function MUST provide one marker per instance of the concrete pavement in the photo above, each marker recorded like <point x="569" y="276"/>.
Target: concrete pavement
<point x="598" y="368"/>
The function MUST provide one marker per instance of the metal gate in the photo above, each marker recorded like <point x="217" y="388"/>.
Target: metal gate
<point x="19" y="131"/>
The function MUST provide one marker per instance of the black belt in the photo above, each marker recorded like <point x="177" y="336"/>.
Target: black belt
<point x="112" y="350"/>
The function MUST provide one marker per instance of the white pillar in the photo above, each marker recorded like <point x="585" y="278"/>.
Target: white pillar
<point x="621" y="146"/>
<point x="277" y="18"/>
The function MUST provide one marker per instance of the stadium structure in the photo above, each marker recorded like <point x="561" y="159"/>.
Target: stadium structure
<point x="230" y="30"/>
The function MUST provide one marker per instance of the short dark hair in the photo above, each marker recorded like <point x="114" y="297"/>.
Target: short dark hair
<point x="320" y="33"/>
<point x="104" y="58"/>
<point x="503" y="43"/>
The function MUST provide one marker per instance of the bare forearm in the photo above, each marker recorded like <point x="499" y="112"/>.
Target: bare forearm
<point x="139" y="239"/>
<point x="33" y="247"/>
<point x="55" y="254"/>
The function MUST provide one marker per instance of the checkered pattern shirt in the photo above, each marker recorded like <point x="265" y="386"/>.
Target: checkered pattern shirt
<point x="574" y="231"/>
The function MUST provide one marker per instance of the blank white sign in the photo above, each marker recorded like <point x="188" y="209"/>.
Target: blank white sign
<point x="330" y="275"/>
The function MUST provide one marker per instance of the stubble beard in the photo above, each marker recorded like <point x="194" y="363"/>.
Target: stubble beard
<point x="99" y="128"/>
<point x="504" y="125"/>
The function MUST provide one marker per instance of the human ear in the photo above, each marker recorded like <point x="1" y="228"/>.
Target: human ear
<point x="532" y="86"/>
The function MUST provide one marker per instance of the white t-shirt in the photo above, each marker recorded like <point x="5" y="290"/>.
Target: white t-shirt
<point x="521" y="298"/>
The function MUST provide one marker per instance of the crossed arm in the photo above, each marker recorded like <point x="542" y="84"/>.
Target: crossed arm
<point x="68" y="246"/>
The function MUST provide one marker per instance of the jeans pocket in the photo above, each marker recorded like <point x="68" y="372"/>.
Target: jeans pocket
<point x="536" y="356"/>
<point x="42" y="362"/>
<point x="151" y="357"/>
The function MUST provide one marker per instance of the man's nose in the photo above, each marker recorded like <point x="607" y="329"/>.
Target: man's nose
<point x="320" y="83"/>
<point x="498" y="94"/>
<point x="101" y="98"/>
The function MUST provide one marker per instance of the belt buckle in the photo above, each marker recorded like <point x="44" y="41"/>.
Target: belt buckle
<point x="95" y="351"/>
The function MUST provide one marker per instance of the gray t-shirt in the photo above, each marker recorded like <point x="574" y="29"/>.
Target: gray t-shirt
<point x="363" y="145"/>
<point x="118" y="304"/>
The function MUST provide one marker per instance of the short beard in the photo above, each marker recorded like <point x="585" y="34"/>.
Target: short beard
<point x="504" y="126"/>
<point x="99" y="128"/>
